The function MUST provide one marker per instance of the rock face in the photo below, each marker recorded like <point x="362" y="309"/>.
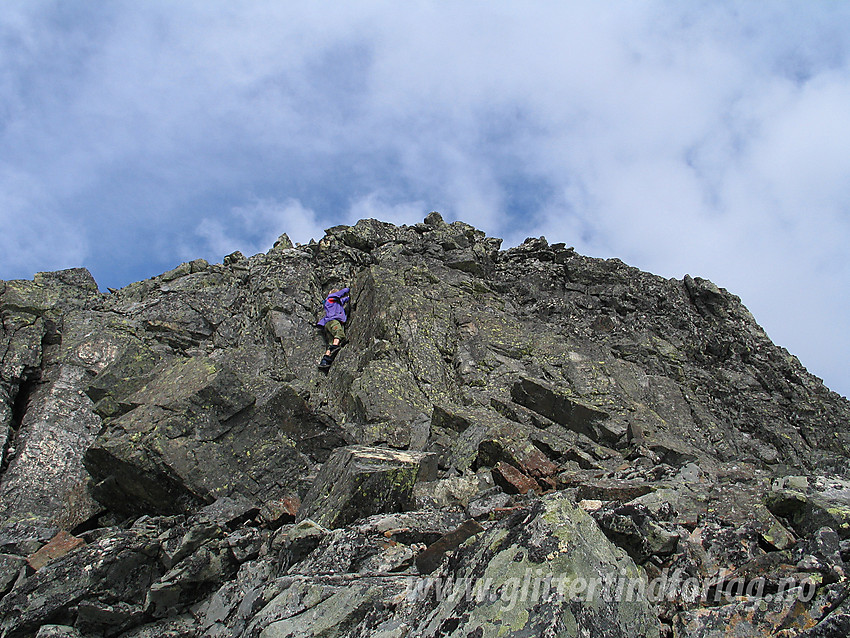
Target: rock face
<point x="512" y="443"/>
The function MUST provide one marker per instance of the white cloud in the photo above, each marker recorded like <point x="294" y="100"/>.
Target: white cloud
<point x="33" y="232"/>
<point x="253" y="228"/>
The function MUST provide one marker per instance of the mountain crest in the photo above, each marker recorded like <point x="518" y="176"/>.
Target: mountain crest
<point x="530" y="408"/>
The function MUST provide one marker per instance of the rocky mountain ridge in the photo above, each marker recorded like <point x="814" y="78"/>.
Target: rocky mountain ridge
<point x="174" y="463"/>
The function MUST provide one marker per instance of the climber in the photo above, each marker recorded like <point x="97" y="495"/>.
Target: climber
<point x="333" y="323"/>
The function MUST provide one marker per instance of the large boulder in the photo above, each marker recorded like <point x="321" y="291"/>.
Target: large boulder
<point x="199" y="432"/>
<point x="45" y="483"/>
<point x="358" y="481"/>
<point x="547" y="570"/>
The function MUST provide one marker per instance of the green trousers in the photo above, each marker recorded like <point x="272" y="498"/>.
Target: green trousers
<point x="334" y="329"/>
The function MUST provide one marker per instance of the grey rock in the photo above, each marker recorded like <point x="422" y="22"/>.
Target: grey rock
<point x="190" y="403"/>
<point x="358" y="481"/>
<point x="46" y="483"/>
<point x="57" y="631"/>
<point x="184" y="626"/>
<point x="231" y="608"/>
<point x="551" y="541"/>
<point x="324" y="607"/>
<point x="119" y="568"/>
<point x="836" y="626"/>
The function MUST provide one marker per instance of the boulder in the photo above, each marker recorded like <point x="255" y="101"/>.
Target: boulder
<point x="57" y="547"/>
<point x="118" y="568"/>
<point x="358" y="481"/>
<point x="564" y="408"/>
<point x="547" y="570"/>
<point x="325" y="607"/>
<point x="755" y="617"/>
<point x="201" y="432"/>
<point x="46" y="483"/>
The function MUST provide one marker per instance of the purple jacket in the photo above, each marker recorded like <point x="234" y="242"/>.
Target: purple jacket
<point x="334" y="307"/>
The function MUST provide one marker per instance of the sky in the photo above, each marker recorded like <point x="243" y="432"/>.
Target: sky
<point x="683" y="137"/>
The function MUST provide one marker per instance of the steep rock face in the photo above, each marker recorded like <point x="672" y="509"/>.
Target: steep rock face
<point x="658" y="405"/>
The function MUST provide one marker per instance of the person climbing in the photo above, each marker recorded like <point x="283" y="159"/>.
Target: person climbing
<point x="333" y="323"/>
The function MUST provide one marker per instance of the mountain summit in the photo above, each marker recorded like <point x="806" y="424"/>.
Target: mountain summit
<point x="509" y="442"/>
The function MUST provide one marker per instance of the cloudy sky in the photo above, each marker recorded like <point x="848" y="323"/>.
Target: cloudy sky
<point x="708" y="138"/>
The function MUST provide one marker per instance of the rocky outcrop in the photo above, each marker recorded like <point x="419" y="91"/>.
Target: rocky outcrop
<point x="174" y="463"/>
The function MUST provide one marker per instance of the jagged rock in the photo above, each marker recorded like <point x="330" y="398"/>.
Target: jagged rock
<point x="412" y="528"/>
<point x="118" y="568"/>
<point x="428" y="560"/>
<point x="810" y="510"/>
<point x="57" y="547"/>
<point x="200" y="433"/>
<point x="456" y="491"/>
<point x="359" y="481"/>
<point x="45" y="483"/>
<point x="821" y="552"/>
<point x="229" y="610"/>
<point x="199" y="389"/>
<point x="551" y="540"/>
<point x="183" y="626"/>
<point x="339" y="551"/>
<point x="201" y="572"/>
<point x="298" y="541"/>
<point x="229" y="512"/>
<point x="512" y="480"/>
<point x="276" y="512"/>
<point x="10" y="570"/>
<point x="837" y="626"/>
<point x="99" y="618"/>
<point x="753" y="618"/>
<point x="562" y="408"/>
<point x="611" y="489"/>
<point x="324" y="606"/>
<point x="487" y="504"/>
<point x="57" y="631"/>
<point x="632" y="527"/>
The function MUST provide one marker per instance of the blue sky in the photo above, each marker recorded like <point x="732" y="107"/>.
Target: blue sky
<point x="707" y="138"/>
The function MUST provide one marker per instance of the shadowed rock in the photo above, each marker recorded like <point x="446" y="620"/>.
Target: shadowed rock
<point x="359" y="481"/>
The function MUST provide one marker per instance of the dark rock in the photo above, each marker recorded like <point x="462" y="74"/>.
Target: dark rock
<point x="229" y="610"/>
<point x="193" y="439"/>
<point x="821" y="552"/>
<point x="611" y="489"/>
<point x="183" y="626"/>
<point x="96" y="617"/>
<point x="412" y="528"/>
<point x="178" y="424"/>
<point x="487" y="504"/>
<point x="633" y="528"/>
<point x="10" y="570"/>
<point x="360" y="481"/>
<point x="200" y="573"/>
<point x="836" y="626"/>
<point x="298" y="541"/>
<point x="280" y="511"/>
<point x="430" y="559"/>
<point x="118" y="568"/>
<point x="572" y="412"/>
<point x="753" y="618"/>
<point x="229" y="512"/>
